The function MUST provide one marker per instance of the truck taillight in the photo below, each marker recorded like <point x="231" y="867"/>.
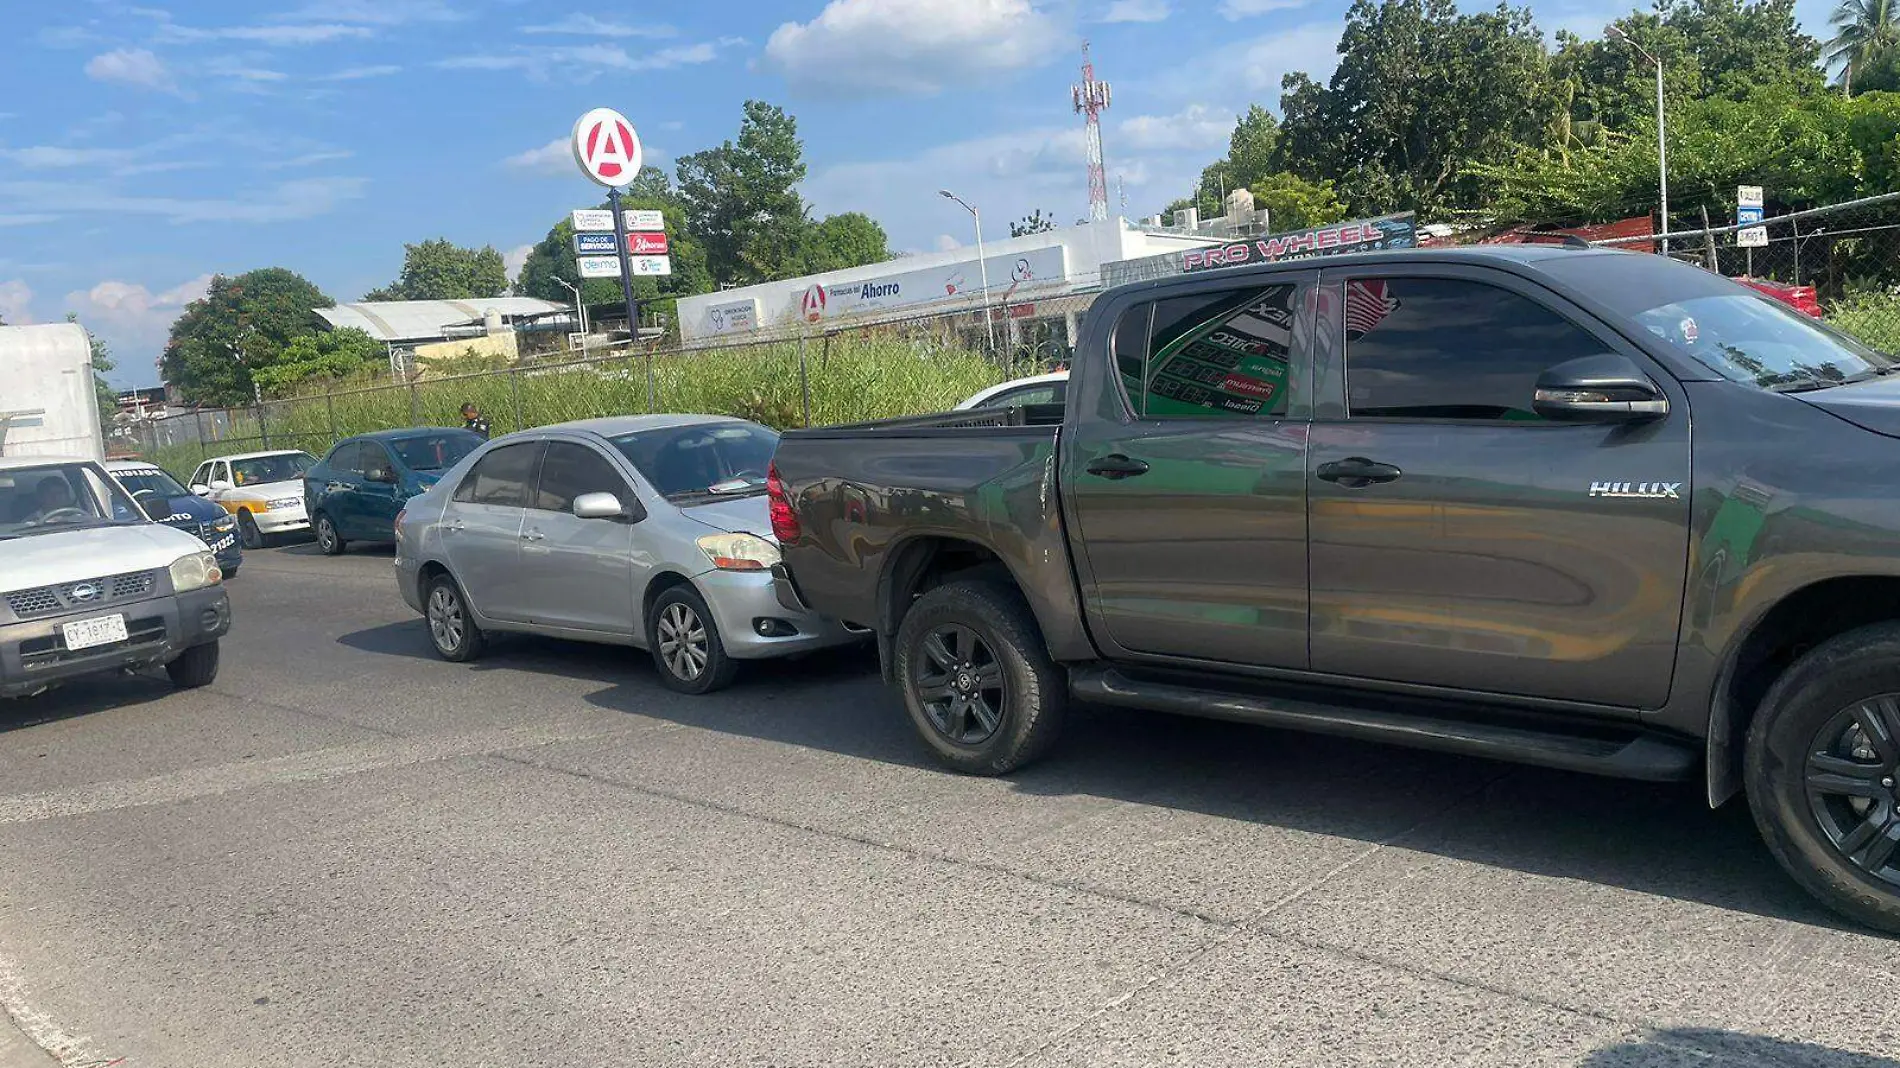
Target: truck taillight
<point x="784" y="521"/>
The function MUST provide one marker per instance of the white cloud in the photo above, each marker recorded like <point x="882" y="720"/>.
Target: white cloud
<point x="911" y="46"/>
<point x="377" y="12"/>
<point x="1196" y="128"/>
<point x="1234" y="10"/>
<point x="49" y="157"/>
<point x="301" y="199"/>
<point x="555" y="157"/>
<point x="292" y="33"/>
<point x="351" y="74"/>
<point x="130" y="66"/>
<point x="306" y="160"/>
<point x="16" y="303"/>
<point x="27" y="218"/>
<point x="589" y="26"/>
<point x="946" y="243"/>
<point x="1137" y="11"/>
<point x="583" y="62"/>
<point x="131" y="319"/>
<point x="513" y="259"/>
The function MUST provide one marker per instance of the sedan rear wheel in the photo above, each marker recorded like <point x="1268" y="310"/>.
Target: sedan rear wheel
<point x="451" y="631"/>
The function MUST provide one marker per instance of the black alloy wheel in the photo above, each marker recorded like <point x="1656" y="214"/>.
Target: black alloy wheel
<point x="961" y="685"/>
<point x="1853" y="784"/>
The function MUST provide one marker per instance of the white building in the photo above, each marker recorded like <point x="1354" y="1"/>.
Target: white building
<point x="1022" y="271"/>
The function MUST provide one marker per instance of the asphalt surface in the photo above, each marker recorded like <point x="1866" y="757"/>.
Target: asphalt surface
<point x="347" y="852"/>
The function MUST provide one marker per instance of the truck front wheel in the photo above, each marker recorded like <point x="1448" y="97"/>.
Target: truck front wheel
<point x="195" y="667"/>
<point x="977" y="681"/>
<point x="1823" y="774"/>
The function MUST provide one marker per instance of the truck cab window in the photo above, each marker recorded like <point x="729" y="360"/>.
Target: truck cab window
<point x="1216" y="355"/>
<point x="1445" y="348"/>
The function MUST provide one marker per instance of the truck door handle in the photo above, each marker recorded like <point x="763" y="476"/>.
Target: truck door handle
<point x="1356" y="471"/>
<point x="1115" y="465"/>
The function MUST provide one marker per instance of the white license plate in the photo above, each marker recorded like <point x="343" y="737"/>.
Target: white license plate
<point x="86" y="633"/>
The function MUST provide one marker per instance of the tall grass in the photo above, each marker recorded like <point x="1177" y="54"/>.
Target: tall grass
<point x="1870" y="315"/>
<point x="855" y="377"/>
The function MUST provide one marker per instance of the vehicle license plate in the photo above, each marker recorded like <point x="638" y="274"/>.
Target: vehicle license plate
<point x="220" y="544"/>
<point x="86" y="633"/>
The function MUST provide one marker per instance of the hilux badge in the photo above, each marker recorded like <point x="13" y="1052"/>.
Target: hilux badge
<point x="1636" y="489"/>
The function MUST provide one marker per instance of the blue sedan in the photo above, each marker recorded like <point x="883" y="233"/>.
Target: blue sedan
<point x="354" y="493"/>
<point x="188" y="512"/>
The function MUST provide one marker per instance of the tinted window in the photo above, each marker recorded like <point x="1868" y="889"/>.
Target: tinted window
<point x="346" y="458"/>
<point x="1442" y="348"/>
<point x="436" y="452"/>
<point x="570" y="470"/>
<point x="1219" y="354"/>
<point x="703" y="459"/>
<point x="501" y="477"/>
<point x="1046" y="393"/>
<point x="281" y="467"/>
<point x="139" y="480"/>
<point x="374" y="457"/>
<point x="1745" y="337"/>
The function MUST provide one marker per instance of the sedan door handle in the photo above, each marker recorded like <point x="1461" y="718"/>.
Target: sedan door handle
<point x="454" y="525"/>
<point x="1356" y="471"/>
<point x="532" y="535"/>
<point x="1115" y="465"/>
<point x="334" y="486"/>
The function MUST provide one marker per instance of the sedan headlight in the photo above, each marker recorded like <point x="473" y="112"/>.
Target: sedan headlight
<point x="195" y="571"/>
<point x="739" y="552"/>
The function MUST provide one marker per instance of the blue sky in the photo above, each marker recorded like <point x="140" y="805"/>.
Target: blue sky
<point x="146" y="145"/>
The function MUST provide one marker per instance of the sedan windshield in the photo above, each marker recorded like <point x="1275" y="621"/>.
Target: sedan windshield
<point x="702" y="460"/>
<point x="42" y="500"/>
<point x="435" y="452"/>
<point x="279" y="468"/>
<point x="150" y="480"/>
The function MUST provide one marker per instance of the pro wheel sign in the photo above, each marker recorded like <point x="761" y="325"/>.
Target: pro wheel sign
<point x="607" y="148"/>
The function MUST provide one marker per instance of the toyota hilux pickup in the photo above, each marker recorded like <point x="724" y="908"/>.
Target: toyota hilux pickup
<point x="1577" y="508"/>
<point x="90" y="584"/>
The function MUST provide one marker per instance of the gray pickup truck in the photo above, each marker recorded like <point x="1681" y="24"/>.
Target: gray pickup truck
<point x="1582" y="509"/>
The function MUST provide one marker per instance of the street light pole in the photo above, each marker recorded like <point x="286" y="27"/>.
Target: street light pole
<point x="982" y="266"/>
<point x="1662" y="136"/>
<point x="580" y="310"/>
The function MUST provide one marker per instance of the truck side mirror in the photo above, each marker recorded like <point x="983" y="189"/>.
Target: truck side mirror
<point x="1598" y="389"/>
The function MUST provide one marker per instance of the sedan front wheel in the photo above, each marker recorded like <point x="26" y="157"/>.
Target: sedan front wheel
<point x="685" y="643"/>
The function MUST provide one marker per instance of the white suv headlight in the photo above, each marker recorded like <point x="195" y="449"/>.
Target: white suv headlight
<point x="195" y="571"/>
<point x="739" y="552"/>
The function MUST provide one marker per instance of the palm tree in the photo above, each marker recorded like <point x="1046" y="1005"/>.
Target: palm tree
<point x="1865" y="28"/>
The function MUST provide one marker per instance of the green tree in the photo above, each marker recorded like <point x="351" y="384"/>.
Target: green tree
<point x="1421" y="92"/>
<point x="848" y="240"/>
<point x="742" y="202"/>
<point x="1863" y="31"/>
<point x="438" y="269"/>
<point x="252" y="316"/>
<point x="323" y="354"/>
<point x="1033" y="223"/>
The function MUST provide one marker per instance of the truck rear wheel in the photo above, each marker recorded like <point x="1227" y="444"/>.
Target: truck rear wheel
<point x="1823" y="774"/>
<point x="977" y="681"/>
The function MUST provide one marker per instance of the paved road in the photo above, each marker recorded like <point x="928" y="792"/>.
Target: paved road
<point x="349" y="853"/>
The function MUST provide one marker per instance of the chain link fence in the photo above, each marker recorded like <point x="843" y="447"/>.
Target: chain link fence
<point x="788" y="378"/>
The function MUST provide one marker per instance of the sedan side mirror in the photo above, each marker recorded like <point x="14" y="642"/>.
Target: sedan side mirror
<point x="200" y="489"/>
<point x="1598" y="389"/>
<point x="219" y="485"/>
<point x="381" y="474"/>
<point x="599" y="506"/>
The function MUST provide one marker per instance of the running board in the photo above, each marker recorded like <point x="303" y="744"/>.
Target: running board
<point x="1644" y="756"/>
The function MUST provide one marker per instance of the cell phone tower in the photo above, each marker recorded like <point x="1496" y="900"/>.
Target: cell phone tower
<point x="1092" y="98"/>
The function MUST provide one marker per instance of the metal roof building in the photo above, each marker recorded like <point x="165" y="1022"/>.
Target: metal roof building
<point x="403" y="322"/>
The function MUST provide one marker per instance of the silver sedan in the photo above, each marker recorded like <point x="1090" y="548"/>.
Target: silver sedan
<point x="649" y="531"/>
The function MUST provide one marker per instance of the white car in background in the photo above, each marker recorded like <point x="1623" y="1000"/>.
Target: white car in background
<point x="264" y="490"/>
<point x="1036" y="389"/>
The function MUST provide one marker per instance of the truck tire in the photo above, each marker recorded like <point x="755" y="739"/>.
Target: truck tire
<point x="977" y="680"/>
<point x="195" y="667"/>
<point x="1823" y="774"/>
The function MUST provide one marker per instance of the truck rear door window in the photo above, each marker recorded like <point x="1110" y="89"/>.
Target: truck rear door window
<point x="1222" y="354"/>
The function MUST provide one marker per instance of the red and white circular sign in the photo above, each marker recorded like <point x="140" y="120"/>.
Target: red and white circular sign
<point x="606" y="147"/>
<point x="812" y="305"/>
